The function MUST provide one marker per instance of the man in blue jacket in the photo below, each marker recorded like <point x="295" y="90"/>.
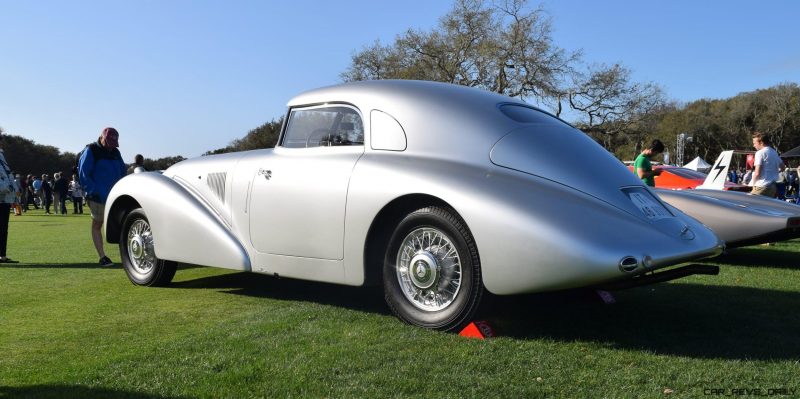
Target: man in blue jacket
<point x="99" y="168"/>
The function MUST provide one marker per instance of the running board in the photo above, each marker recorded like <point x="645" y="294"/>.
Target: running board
<point x="661" y="277"/>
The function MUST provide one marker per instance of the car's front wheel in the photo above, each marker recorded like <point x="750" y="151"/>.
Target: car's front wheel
<point x="137" y="251"/>
<point x="431" y="272"/>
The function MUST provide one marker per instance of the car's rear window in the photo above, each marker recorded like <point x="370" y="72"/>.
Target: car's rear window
<point x="523" y="114"/>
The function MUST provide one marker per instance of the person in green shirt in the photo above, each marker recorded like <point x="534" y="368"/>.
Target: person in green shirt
<point x="642" y="166"/>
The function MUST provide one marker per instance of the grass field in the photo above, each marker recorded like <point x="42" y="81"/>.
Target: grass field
<point x="70" y="329"/>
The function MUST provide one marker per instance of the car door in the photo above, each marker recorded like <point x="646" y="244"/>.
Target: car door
<point x="298" y="197"/>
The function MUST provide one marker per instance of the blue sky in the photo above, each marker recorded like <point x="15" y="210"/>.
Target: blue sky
<point x="180" y="77"/>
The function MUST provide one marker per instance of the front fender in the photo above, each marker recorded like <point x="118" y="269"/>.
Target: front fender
<point x="184" y="229"/>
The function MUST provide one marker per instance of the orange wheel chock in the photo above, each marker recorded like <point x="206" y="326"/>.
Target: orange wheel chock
<point x="477" y="329"/>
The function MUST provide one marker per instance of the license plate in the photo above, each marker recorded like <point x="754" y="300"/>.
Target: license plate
<point x="650" y="207"/>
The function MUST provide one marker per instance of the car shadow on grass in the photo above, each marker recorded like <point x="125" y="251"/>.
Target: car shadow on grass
<point x="769" y="257"/>
<point x="367" y="299"/>
<point x="56" y="266"/>
<point x="43" y="220"/>
<point x="692" y="320"/>
<point x="74" y="392"/>
<point x="116" y="265"/>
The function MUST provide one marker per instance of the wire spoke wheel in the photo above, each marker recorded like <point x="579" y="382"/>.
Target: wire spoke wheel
<point x="137" y="250"/>
<point x="140" y="246"/>
<point x="429" y="269"/>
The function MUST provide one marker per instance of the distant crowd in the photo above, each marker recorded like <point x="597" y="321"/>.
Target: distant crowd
<point x="786" y="184"/>
<point x="54" y="191"/>
<point x="49" y="191"/>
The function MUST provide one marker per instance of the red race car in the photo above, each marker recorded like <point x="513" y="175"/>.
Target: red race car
<point x="677" y="178"/>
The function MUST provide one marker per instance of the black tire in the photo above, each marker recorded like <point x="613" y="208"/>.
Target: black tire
<point x="138" y="255"/>
<point x="416" y="275"/>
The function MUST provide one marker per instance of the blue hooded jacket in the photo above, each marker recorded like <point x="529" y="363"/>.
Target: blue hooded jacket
<point x="98" y="170"/>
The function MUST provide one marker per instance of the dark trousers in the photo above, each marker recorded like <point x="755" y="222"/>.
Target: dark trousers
<point x="77" y="204"/>
<point x="32" y="200"/>
<point x="46" y="201"/>
<point x="5" y="210"/>
<point x="63" y="203"/>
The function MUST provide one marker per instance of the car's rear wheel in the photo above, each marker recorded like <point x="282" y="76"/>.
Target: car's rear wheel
<point x="137" y="251"/>
<point x="431" y="272"/>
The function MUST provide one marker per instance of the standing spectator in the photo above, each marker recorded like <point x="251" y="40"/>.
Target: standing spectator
<point x="52" y="182"/>
<point x="780" y="185"/>
<point x="47" y="194"/>
<point x="56" y="194"/>
<point x="137" y="165"/>
<point x="7" y="196"/>
<point x="77" y="195"/>
<point x="792" y="182"/>
<point x="23" y="187"/>
<point x="99" y="168"/>
<point x="642" y="166"/>
<point x="30" y="193"/>
<point x="767" y="165"/>
<point x="60" y="191"/>
<point x="36" y="184"/>
<point x="18" y="189"/>
<point x="797" y="183"/>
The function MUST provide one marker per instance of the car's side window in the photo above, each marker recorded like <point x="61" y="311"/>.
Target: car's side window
<point x="323" y="126"/>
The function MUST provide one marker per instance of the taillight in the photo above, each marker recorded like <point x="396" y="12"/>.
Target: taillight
<point x="793" y="222"/>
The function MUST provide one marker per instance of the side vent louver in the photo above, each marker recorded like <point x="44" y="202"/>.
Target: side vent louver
<point x="216" y="182"/>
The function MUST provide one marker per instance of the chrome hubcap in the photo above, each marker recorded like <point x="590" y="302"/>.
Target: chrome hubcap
<point x="424" y="270"/>
<point x="136" y="247"/>
<point x="140" y="247"/>
<point x="429" y="269"/>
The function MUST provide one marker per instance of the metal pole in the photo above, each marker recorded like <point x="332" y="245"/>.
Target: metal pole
<point x="680" y="147"/>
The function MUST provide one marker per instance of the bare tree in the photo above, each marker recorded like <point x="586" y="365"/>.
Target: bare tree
<point x="505" y="47"/>
<point x="782" y="108"/>
<point x="610" y="103"/>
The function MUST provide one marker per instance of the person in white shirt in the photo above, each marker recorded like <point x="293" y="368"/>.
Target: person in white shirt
<point x="767" y="166"/>
<point x="77" y="195"/>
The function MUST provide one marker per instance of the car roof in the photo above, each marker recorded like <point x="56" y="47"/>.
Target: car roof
<point x="440" y="119"/>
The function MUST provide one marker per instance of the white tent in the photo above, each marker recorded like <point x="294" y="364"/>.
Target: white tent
<point x="698" y="164"/>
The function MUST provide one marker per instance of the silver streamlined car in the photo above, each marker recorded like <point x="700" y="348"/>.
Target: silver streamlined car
<point x="737" y="218"/>
<point x="438" y="191"/>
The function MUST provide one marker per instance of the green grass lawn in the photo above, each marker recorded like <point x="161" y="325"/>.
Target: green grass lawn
<point x="71" y="329"/>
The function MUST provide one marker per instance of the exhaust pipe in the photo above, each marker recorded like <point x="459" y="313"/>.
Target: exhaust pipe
<point x="661" y="277"/>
